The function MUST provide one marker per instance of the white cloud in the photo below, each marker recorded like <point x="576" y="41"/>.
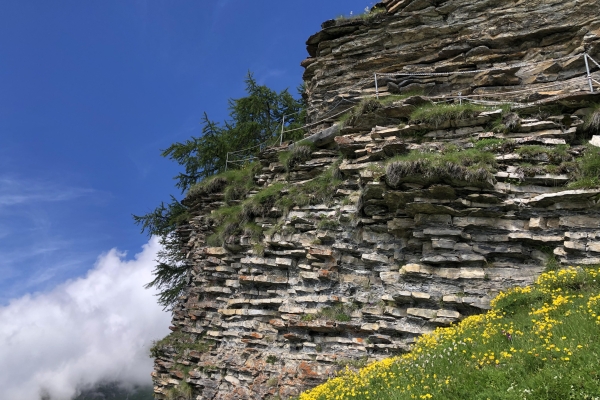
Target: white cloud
<point x="94" y="328"/>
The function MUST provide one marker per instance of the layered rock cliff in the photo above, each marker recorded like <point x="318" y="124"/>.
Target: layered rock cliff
<point x="349" y="245"/>
<point x="449" y="36"/>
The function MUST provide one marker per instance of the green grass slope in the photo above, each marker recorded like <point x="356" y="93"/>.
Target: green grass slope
<point x="538" y="342"/>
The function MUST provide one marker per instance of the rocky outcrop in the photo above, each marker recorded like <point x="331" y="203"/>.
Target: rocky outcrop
<point x="444" y="36"/>
<point x="396" y="252"/>
<point x="421" y="220"/>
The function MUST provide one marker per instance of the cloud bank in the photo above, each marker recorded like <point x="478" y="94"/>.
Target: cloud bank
<point x="95" y="328"/>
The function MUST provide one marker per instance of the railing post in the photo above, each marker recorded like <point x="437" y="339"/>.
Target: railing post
<point x="460" y="98"/>
<point x="587" y="68"/>
<point x="376" y="87"/>
<point x="282" y="125"/>
<point x="592" y="60"/>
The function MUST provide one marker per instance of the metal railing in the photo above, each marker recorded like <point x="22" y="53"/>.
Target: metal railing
<point x="240" y="157"/>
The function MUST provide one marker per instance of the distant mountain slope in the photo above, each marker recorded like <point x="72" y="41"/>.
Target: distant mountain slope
<point x="113" y="391"/>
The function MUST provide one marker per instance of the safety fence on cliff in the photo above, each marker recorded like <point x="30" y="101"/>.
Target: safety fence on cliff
<point x="243" y="156"/>
<point x="504" y="96"/>
<point x="585" y="82"/>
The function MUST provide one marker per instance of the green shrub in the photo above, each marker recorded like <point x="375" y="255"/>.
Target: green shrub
<point x="371" y="105"/>
<point x="553" y="264"/>
<point x="271" y="359"/>
<point x="498" y="127"/>
<point x="568" y="167"/>
<point x="585" y="183"/>
<point x="518" y="300"/>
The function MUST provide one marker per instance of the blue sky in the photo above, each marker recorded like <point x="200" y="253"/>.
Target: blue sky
<point x="90" y="92"/>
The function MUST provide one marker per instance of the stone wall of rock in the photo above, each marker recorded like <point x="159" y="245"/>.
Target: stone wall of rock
<point x="386" y="260"/>
<point x="449" y="36"/>
<point x="400" y="248"/>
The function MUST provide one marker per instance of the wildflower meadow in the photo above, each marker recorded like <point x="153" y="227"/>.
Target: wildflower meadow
<point x="537" y="342"/>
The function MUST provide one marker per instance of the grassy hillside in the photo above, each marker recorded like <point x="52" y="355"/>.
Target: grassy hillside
<point x="538" y="342"/>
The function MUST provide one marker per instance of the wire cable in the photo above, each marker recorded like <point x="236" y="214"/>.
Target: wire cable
<point x="519" y="65"/>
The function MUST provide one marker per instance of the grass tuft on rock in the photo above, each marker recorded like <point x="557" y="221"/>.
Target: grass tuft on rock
<point x="368" y="15"/>
<point x="339" y="312"/>
<point x="469" y="167"/>
<point x="236" y="219"/>
<point x="235" y="183"/>
<point x="177" y="343"/>
<point x="495" y="145"/>
<point x="536" y="342"/>
<point x="320" y="189"/>
<point x="300" y="153"/>
<point x="182" y="391"/>
<point x="437" y="114"/>
<point x="554" y="154"/>
<point x="592" y="120"/>
<point x="392" y="98"/>
<point x="366" y="106"/>
<point x="588" y="171"/>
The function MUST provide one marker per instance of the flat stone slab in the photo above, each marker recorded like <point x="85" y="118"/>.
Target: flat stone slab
<point x="453" y="258"/>
<point x="323" y="137"/>
<point x="537" y="126"/>
<point x="545" y="200"/>
<point x="497" y="223"/>
<point x="580" y="221"/>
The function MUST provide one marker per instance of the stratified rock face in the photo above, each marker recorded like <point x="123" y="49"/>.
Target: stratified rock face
<point x="404" y="246"/>
<point x="392" y="256"/>
<point x="449" y="36"/>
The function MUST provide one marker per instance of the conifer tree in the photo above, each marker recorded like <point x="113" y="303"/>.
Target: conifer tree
<point x="253" y="121"/>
